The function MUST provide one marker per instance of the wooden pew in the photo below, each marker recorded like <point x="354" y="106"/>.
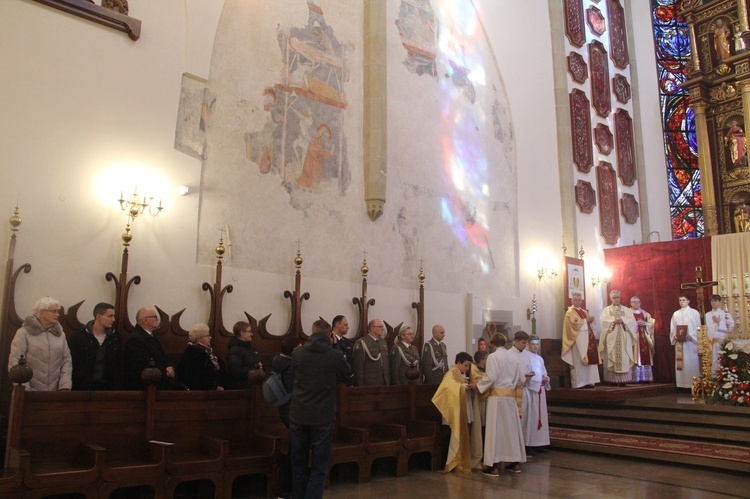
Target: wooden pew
<point x="216" y="438"/>
<point x="390" y="416"/>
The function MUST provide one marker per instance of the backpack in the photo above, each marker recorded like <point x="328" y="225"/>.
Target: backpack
<point x="274" y="392"/>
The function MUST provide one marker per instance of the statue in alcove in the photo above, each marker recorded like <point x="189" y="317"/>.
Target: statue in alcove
<point x="721" y="40"/>
<point x="742" y="217"/>
<point x="736" y="141"/>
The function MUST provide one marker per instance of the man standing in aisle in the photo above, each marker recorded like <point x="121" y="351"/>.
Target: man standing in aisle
<point x="435" y="357"/>
<point x="318" y="367"/>
<point x="579" y="345"/>
<point x="503" y="442"/>
<point x="683" y="334"/>
<point x="617" y="340"/>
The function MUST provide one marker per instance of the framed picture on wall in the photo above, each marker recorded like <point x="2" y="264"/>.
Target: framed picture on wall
<point x="575" y="279"/>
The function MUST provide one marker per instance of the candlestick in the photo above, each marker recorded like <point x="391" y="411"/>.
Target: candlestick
<point x="747" y="283"/>
<point x="734" y="284"/>
<point x="722" y="285"/>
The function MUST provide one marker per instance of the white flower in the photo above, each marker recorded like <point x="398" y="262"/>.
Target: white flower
<point x="729" y="346"/>
<point x="727" y="386"/>
<point x="733" y="356"/>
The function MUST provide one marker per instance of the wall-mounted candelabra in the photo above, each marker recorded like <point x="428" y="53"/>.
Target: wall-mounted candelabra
<point x="134" y="207"/>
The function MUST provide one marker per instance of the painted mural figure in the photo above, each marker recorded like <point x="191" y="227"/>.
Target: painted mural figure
<point x="721" y="40"/>
<point x="317" y="153"/>
<point x="736" y="141"/>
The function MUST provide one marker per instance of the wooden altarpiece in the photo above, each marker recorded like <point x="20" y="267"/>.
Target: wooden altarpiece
<point x="719" y="88"/>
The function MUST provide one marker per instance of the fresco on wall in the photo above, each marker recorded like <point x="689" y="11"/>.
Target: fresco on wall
<point x="282" y="149"/>
<point x="302" y="140"/>
<point x="416" y="27"/>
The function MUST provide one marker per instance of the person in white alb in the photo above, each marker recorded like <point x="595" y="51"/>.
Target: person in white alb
<point x="719" y="322"/>
<point x="686" y="361"/>
<point x="534" y="419"/>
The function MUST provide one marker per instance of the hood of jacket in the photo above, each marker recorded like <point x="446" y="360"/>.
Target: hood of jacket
<point x="32" y="326"/>
<point x="90" y="329"/>
<point x="234" y="342"/>
<point x="318" y="343"/>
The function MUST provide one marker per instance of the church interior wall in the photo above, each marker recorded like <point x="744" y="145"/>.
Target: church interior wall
<point x="82" y="104"/>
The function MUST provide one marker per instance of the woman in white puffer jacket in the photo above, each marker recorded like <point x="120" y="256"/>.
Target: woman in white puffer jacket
<point x="42" y="340"/>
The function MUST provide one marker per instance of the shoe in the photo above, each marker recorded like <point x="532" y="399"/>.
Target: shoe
<point x="491" y="471"/>
<point x="514" y="468"/>
<point x="530" y="453"/>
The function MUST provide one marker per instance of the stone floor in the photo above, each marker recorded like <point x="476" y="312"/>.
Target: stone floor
<point x="558" y="474"/>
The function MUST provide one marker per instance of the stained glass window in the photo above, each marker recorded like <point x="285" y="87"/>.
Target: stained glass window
<point x="672" y="41"/>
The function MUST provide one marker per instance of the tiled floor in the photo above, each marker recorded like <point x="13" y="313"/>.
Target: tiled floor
<point x="559" y="474"/>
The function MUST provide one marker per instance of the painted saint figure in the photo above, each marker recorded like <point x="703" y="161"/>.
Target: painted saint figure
<point x="735" y="140"/>
<point x="317" y="153"/>
<point x="721" y="40"/>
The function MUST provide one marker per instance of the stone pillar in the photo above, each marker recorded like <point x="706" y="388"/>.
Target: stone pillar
<point x="704" y="162"/>
<point x="375" y="119"/>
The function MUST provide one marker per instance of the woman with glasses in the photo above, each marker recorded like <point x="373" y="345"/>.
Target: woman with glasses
<point x="243" y="360"/>
<point x="42" y="342"/>
<point x="199" y="368"/>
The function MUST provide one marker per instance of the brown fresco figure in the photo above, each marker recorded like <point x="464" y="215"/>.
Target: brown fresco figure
<point x="317" y="153"/>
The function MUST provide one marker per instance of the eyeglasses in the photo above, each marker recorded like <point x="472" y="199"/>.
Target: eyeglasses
<point x="53" y="310"/>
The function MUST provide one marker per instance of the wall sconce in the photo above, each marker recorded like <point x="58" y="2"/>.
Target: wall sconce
<point x="596" y="281"/>
<point x="545" y="272"/>
<point x="135" y="207"/>
<point x="601" y="279"/>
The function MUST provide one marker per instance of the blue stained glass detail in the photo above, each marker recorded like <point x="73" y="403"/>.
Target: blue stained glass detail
<point x="672" y="47"/>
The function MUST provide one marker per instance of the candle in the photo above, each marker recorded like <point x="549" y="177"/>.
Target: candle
<point x="722" y="285"/>
<point x="734" y="283"/>
<point x="747" y="283"/>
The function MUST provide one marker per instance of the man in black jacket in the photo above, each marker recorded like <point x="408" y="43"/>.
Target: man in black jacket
<point x="340" y="325"/>
<point x="141" y="347"/>
<point x="317" y="368"/>
<point x="96" y="352"/>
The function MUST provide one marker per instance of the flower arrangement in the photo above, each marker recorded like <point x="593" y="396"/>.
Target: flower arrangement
<point x="733" y="376"/>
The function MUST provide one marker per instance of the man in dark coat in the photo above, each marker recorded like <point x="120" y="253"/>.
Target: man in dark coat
<point x="340" y="327"/>
<point x="317" y="369"/>
<point x="141" y="348"/>
<point x="96" y="352"/>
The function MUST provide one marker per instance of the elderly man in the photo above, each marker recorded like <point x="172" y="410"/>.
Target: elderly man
<point x="142" y="347"/>
<point x="435" y="357"/>
<point x="42" y="341"/>
<point x="370" y="357"/>
<point x="617" y="340"/>
<point x="579" y="345"/>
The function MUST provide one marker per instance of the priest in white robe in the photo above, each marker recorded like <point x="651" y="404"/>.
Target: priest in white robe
<point x="617" y="341"/>
<point x="580" y="350"/>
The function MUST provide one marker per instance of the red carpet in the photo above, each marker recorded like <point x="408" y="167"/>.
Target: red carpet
<point x="691" y="448"/>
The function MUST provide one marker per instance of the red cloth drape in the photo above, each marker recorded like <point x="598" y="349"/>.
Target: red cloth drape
<point x="655" y="272"/>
